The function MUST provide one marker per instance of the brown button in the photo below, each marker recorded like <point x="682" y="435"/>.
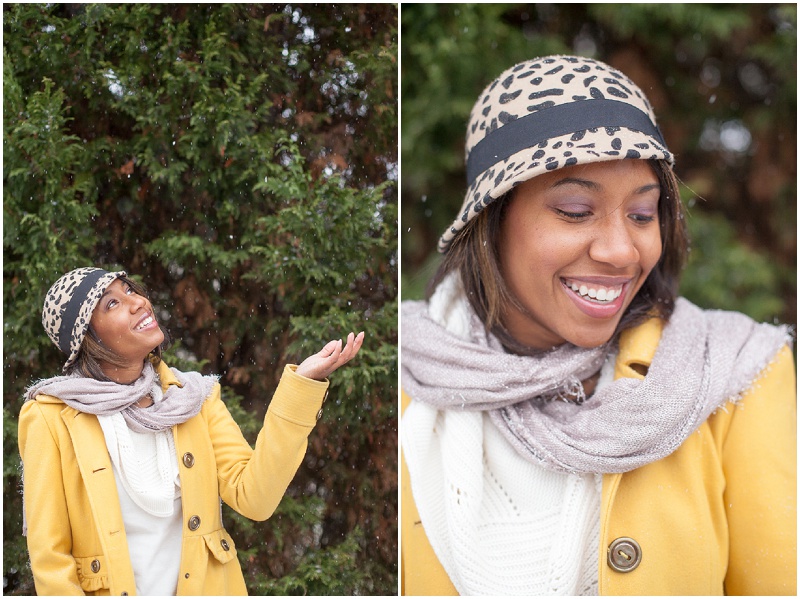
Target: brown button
<point x="225" y="545"/>
<point x="194" y="522"/>
<point x="124" y="594"/>
<point x="95" y="565"/>
<point x="188" y="460"/>
<point x="186" y="575"/>
<point x="624" y="555"/>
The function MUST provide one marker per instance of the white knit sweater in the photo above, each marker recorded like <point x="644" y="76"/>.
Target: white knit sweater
<point x="146" y="473"/>
<point x="499" y="524"/>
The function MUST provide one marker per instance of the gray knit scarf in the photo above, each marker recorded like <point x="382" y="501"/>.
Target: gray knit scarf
<point x="704" y="359"/>
<point x="104" y="398"/>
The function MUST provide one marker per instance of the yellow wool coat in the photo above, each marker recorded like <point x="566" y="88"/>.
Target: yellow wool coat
<point x="76" y="536"/>
<point x="718" y="516"/>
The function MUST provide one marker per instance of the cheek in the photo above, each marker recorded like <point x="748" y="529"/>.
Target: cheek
<point x="535" y="256"/>
<point x="650" y="251"/>
<point x="105" y="328"/>
<point x="97" y="325"/>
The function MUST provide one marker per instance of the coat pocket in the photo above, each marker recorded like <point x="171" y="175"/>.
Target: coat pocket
<point x="92" y="572"/>
<point x="221" y="545"/>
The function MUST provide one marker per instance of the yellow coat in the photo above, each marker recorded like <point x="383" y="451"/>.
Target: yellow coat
<point x="76" y="537"/>
<point x="718" y="516"/>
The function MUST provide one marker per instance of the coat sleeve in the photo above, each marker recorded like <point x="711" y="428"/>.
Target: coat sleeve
<point x="49" y="535"/>
<point x="253" y="482"/>
<point x="759" y="457"/>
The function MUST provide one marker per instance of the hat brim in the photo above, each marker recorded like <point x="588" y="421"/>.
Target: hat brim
<point x="81" y="325"/>
<point x="593" y="145"/>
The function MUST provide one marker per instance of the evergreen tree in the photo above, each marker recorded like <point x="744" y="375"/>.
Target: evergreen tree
<point x="241" y="161"/>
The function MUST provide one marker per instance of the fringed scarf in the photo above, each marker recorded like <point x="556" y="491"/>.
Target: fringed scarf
<point x="104" y="398"/>
<point x="704" y="359"/>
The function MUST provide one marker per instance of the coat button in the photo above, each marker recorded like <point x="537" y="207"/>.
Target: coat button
<point x="194" y="522"/>
<point x="624" y="555"/>
<point x="188" y="460"/>
<point x="319" y="414"/>
<point x="225" y="545"/>
<point x="95" y="566"/>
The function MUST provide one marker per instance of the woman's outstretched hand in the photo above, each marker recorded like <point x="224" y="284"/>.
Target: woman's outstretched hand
<point x="321" y="364"/>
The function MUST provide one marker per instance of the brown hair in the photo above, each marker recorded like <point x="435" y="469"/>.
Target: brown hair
<point x="92" y="352"/>
<point x="473" y="253"/>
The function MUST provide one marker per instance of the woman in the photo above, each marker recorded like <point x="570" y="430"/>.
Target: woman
<point x="126" y="459"/>
<point x="571" y="426"/>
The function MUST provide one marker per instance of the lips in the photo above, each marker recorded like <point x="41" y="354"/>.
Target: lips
<point x="595" y="291"/>
<point x="595" y="297"/>
<point x="145" y="322"/>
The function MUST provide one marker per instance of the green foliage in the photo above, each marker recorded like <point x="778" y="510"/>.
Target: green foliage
<point x="325" y="572"/>
<point x="726" y="274"/>
<point x="707" y="22"/>
<point x="44" y="204"/>
<point x="706" y="68"/>
<point x="241" y="161"/>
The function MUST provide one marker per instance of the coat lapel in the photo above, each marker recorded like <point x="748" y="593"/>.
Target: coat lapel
<point x="94" y="463"/>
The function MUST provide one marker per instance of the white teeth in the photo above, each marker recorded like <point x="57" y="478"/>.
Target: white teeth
<point x="145" y="322"/>
<point x="602" y="294"/>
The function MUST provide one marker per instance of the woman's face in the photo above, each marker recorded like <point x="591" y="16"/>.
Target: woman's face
<point x="125" y="323"/>
<point x="575" y="247"/>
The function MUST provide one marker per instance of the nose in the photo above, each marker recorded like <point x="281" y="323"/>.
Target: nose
<point x="614" y="243"/>
<point x="136" y="302"/>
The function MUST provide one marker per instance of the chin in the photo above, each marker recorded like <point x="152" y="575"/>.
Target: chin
<point x="592" y="340"/>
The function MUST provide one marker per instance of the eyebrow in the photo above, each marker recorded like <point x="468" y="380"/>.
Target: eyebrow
<point x="108" y="290"/>
<point x="597" y="187"/>
<point x="576" y="181"/>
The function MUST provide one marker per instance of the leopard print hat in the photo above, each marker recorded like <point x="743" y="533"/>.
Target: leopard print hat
<point x="548" y="113"/>
<point x="69" y="304"/>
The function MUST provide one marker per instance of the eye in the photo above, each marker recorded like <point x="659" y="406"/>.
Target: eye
<point x="644" y="217"/>
<point x="573" y="215"/>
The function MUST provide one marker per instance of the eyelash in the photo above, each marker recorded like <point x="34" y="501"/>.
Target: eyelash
<point x="572" y="215"/>
<point x="576" y="216"/>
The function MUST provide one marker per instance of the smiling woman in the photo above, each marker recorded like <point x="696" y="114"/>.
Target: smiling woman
<point x="575" y="246"/>
<point x="126" y="460"/>
<point x="569" y="421"/>
<point x="124" y="319"/>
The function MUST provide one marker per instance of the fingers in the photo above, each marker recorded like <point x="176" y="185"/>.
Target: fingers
<point x="329" y="349"/>
<point x="350" y="350"/>
<point x="334" y="354"/>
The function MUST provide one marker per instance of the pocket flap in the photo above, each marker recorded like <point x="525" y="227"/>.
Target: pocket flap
<point x="221" y="545"/>
<point x="92" y="572"/>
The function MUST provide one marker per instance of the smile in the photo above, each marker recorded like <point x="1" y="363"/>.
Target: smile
<point x="144" y="323"/>
<point x="597" y="293"/>
<point x="596" y="300"/>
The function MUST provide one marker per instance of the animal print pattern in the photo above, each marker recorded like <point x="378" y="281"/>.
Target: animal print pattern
<point x="534" y="87"/>
<point x="59" y="296"/>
